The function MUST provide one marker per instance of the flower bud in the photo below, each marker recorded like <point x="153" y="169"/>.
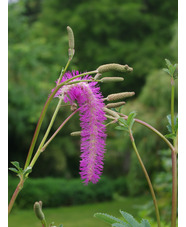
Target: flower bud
<point x="73" y="107"/>
<point x="112" y="79"/>
<point x="115" y="105"/>
<point x="114" y="67"/>
<point x="121" y="95"/>
<point x="97" y="76"/>
<point x="111" y="112"/>
<point x="71" y="50"/>
<point x="38" y="210"/>
<point x="78" y="133"/>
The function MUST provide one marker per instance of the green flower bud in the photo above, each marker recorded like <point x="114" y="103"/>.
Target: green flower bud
<point x="114" y="67"/>
<point x="112" y="79"/>
<point x="71" y="50"/>
<point x="78" y="133"/>
<point x="115" y="105"/>
<point x="121" y="95"/>
<point x="111" y="112"/>
<point x="38" y="210"/>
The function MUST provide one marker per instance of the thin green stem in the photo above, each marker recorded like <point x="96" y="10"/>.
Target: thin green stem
<point x="174" y="189"/>
<point x="172" y="104"/>
<point x="147" y="177"/>
<point x="46" y="133"/>
<point x="60" y="127"/>
<point x="63" y="71"/>
<point x="174" y="162"/>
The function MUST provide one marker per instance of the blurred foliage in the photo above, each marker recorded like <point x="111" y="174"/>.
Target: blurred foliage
<point x="56" y="192"/>
<point x="140" y="33"/>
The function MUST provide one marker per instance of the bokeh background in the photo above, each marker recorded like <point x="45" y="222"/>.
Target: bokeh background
<point x="140" y="33"/>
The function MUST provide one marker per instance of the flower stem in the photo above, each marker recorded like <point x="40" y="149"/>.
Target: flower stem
<point x="147" y="177"/>
<point x="60" y="127"/>
<point x="174" y="189"/>
<point x="154" y="130"/>
<point x="174" y="162"/>
<point x="172" y="104"/>
<point x="43" y="147"/>
<point x="14" y="196"/>
<point x="39" y="150"/>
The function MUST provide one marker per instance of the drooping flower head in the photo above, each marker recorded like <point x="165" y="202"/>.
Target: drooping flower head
<point x="90" y="101"/>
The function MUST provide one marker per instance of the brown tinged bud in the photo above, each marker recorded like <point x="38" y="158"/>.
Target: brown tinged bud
<point x="73" y="107"/>
<point x="111" y="112"/>
<point x="114" y="67"/>
<point x="115" y="105"/>
<point x="71" y="50"/>
<point x="78" y="133"/>
<point x="97" y="76"/>
<point x="112" y="79"/>
<point x="121" y="95"/>
<point x="38" y="210"/>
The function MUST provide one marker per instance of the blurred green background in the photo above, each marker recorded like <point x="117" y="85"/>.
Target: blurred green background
<point x="140" y="33"/>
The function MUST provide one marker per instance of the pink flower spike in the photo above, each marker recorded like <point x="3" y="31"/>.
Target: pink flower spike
<point x="93" y="136"/>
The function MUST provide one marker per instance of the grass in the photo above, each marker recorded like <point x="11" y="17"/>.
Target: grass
<point x="77" y="216"/>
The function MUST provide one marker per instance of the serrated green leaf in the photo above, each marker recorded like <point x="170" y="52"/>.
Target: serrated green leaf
<point x="123" y="128"/>
<point x="169" y="128"/>
<point x="166" y="70"/>
<point x="172" y="70"/>
<point x="130" y="219"/>
<point x="170" y="136"/>
<point x="168" y="63"/>
<point x="144" y="223"/>
<point x="108" y="218"/>
<point x="120" y="225"/>
<point x="169" y="119"/>
<point x="123" y="121"/>
<point x="14" y="170"/>
<point x="16" y="164"/>
<point x="130" y="120"/>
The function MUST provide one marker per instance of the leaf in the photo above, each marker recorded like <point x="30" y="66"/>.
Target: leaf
<point x="16" y="164"/>
<point x="61" y="225"/>
<point x="123" y="121"/>
<point x="130" y="219"/>
<point x="166" y="70"/>
<point x="144" y="223"/>
<point x="170" y="136"/>
<point x="120" y="225"/>
<point x="108" y="218"/>
<point x="130" y="120"/>
<point x="168" y="63"/>
<point x="14" y="170"/>
<point x="122" y="128"/>
<point x="169" y="119"/>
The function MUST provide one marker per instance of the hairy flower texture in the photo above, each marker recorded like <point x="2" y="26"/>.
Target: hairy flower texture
<point x="93" y="134"/>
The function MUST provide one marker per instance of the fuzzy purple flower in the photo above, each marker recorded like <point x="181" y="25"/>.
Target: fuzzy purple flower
<point x="90" y="101"/>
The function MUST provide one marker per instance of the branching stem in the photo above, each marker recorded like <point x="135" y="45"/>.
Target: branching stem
<point x="147" y="177"/>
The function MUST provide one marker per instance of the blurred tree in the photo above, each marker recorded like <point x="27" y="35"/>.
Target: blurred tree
<point x="135" y="32"/>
